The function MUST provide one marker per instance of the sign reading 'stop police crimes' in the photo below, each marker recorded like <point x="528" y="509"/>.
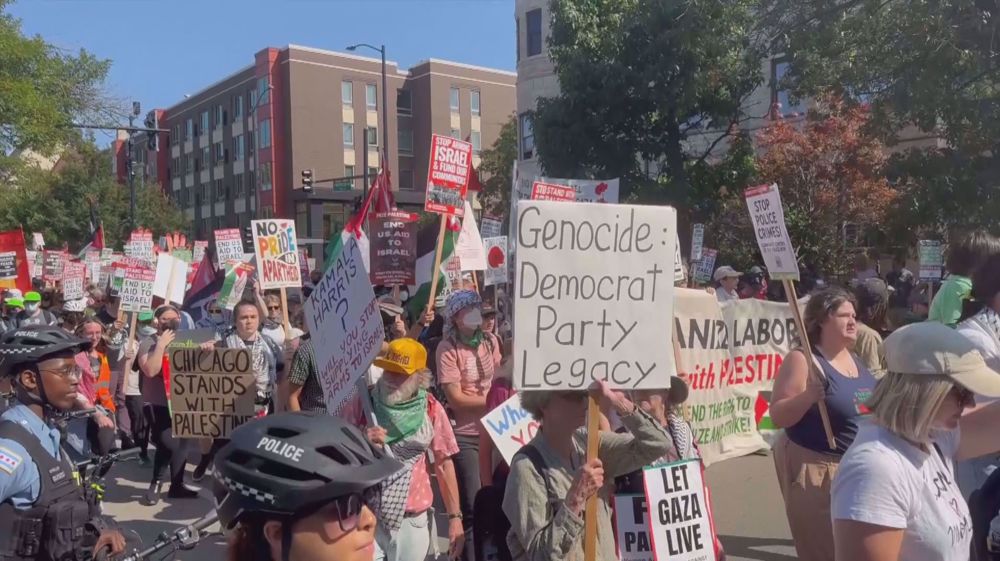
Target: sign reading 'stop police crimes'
<point x="594" y="295"/>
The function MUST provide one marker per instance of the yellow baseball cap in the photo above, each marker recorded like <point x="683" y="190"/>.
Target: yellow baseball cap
<point x="405" y="356"/>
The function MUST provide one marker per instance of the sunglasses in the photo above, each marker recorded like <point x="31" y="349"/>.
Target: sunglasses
<point x="273" y="308"/>
<point x="346" y="510"/>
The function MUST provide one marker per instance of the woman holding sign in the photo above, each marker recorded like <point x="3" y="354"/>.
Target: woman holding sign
<point x="895" y="497"/>
<point x="804" y="462"/>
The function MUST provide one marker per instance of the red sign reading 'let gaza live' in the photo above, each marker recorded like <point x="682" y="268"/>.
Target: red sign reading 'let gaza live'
<point x="448" y="175"/>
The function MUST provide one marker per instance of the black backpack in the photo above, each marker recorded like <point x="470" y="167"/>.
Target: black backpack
<point x="490" y="525"/>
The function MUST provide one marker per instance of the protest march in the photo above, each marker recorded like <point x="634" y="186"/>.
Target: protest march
<point x="680" y="282"/>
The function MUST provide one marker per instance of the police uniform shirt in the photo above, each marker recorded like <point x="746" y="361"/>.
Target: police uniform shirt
<point x="19" y="478"/>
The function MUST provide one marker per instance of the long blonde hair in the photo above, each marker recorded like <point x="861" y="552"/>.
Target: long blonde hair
<point x="907" y="404"/>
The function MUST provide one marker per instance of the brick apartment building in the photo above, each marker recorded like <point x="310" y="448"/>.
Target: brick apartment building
<point x="236" y="150"/>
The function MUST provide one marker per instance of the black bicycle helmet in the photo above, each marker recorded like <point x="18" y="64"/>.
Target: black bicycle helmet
<point x="291" y="463"/>
<point x="30" y="345"/>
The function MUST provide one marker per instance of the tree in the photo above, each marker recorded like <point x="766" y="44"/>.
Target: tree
<point x="43" y="89"/>
<point x="832" y="176"/>
<point x="496" y="166"/>
<point x="638" y="79"/>
<point x="57" y="203"/>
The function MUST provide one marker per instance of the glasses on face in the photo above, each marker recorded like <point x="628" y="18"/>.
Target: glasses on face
<point x="346" y="510"/>
<point x="215" y="311"/>
<point x="274" y="308"/>
<point x="64" y="372"/>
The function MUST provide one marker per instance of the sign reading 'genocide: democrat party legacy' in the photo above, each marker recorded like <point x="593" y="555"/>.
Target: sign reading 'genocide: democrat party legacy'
<point x="277" y="252"/>
<point x="211" y="391"/>
<point x="594" y="295"/>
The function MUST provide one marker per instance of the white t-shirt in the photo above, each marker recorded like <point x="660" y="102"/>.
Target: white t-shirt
<point x="986" y="343"/>
<point x="725" y="296"/>
<point x="886" y="481"/>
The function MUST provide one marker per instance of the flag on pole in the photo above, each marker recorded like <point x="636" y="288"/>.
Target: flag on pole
<point x="381" y="195"/>
<point x="426" y="246"/>
<point x="96" y="232"/>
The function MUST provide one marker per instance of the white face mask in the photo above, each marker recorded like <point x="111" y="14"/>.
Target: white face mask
<point x="472" y="320"/>
<point x="216" y="318"/>
<point x="404" y="295"/>
<point x="31" y="307"/>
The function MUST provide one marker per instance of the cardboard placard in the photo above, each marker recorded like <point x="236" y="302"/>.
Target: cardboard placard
<point x="8" y="269"/>
<point x="34" y="259"/>
<point x="681" y="522"/>
<point x="931" y="256"/>
<point x="228" y="245"/>
<point x="345" y="324"/>
<point x="706" y="266"/>
<point x="510" y="427"/>
<point x="490" y="227"/>
<point x="768" y="217"/>
<point x="277" y="251"/>
<point x="183" y="254"/>
<point x="393" y="249"/>
<point x="697" y="241"/>
<point x="632" y="538"/>
<point x="211" y="391"/>
<point x="594" y="296"/>
<point x="37" y="241"/>
<point x="140" y="245"/>
<point x="73" y="282"/>
<point x="469" y="247"/>
<point x="587" y="190"/>
<point x="496" y="260"/>
<point x="680" y="274"/>
<point x="107" y="253"/>
<point x="541" y="191"/>
<point x="136" y="290"/>
<point x="448" y="175"/>
<point x="198" y="253"/>
<point x="171" y="276"/>
<point x="53" y="263"/>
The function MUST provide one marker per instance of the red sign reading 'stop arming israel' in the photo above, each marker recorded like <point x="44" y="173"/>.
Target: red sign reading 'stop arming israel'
<point x="448" y="175"/>
<point x="277" y="252"/>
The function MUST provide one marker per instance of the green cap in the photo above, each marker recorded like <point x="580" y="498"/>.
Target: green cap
<point x="15" y="302"/>
<point x="32" y="296"/>
<point x="146" y="316"/>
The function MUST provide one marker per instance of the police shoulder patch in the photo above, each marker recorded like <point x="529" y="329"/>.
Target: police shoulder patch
<point x="9" y="460"/>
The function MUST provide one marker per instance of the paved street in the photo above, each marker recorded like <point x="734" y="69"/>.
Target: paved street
<point x="748" y="511"/>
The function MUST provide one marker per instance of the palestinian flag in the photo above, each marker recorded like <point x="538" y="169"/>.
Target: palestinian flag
<point x="426" y="246"/>
<point x="762" y="412"/>
<point x="381" y="195"/>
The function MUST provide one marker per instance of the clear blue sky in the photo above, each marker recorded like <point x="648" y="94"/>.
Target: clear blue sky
<point x="163" y="49"/>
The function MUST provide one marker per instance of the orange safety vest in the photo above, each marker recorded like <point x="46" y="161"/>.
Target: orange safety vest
<point x="102" y="388"/>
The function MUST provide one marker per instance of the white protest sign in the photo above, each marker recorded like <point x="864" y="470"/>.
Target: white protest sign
<point x="679" y="273"/>
<point x="706" y="266"/>
<point x="140" y="245"/>
<point x="490" y="227"/>
<point x="768" y="216"/>
<point x="594" y="296"/>
<point x="37" y="241"/>
<point x="587" y="190"/>
<point x="73" y="280"/>
<point x="228" y="245"/>
<point x="345" y="323"/>
<point x="681" y="518"/>
<point x="510" y="427"/>
<point x="171" y="276"/>
<point x="496" y="260"/>
<point x="632" y="528"/>
<point x="469" y="247"/>
<point x="198" y="253"/>
<point x="137" y="289"/>
<point x="277" y="250"/>
<point x="931" y="259"/>
<point x="697" y="241"/>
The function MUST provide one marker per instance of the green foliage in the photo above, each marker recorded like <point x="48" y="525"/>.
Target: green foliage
<point x="495" y="169"/>
<point x="55" y="203"/>
<point x="637" y="79"/>
<point x="42" y="90"/>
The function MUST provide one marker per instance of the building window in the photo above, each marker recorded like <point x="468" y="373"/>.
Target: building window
<point x="238" y="185"/>
<point x="534" y="39"/>
<point x="187" y="163"/>
<point x="220" y="190"/>
<point x="405" y="141"/>
<point x="779" y="68"/>
<point x="188" y="129"/>
<point x="372" y="174"/>
<point x="404" y="102"/>
<point x="220" y="115"/>
<point x="202" y="193"/>
<point x="347" y="93"/>
<point x="517" y="39"/>
<point x="206" y="158"/>
<point x="405" y="178"/>
<point x="265" y="176"/>
<point x="250" y="143"/>
<point x="527" y="138"/>
<point x="220" y="153"/>
<point x="176" y="136"/>
<point x="238" y="148"/>
<point x="477" y="141"/>
<point x="252" y="96"/>
<point x="237" y="106"/>
<point x="204" y="122"/>
<point x="372" y="134"/>
<point x="453" y="101"/>
<point x="265" y="133"/>
<point x="349" y="173"/>
<point x="348" y="135"/>
<point x="455" y="133"/>
<point x="474" y="102"/>
<point x="371" y="96"/>
<point x="262" y="87"/>
<point x="251" y="182"/>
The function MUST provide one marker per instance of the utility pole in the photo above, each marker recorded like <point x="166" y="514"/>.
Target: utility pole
<point x="385" y="112"/>
<point x="129" y="164"/>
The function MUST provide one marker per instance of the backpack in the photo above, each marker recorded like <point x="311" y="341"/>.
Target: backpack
<point x="490" y="525"/>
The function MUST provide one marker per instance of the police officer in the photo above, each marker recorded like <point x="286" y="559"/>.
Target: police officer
<point x="43" y="512"/>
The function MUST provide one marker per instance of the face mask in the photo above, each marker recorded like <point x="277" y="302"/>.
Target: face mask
<point x="404" y="295"/>
<point x="472" y="320"/>
<point x="31" y="307"/>
<point x="216" y="317"/>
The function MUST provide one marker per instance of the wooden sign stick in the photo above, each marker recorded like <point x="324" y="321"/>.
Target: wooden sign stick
<point x="284" y="314"/>
<point x="590" y="511"/>
<point x="824" y="415"/>
<point x="131" y="334"/>
<point x="436" y="271"/>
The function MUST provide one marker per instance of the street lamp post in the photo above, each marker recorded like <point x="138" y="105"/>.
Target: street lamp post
<point x="130" y="164"/>
<point x="385" y="109"/>
<point x="261" y="93"/>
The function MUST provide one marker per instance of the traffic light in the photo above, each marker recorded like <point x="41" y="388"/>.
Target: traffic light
<point x="151" y="123"/>
<point x="247" y="239"/>
<point x="307" y="180"/>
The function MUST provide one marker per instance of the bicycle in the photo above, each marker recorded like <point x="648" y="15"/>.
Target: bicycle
<point x="184" y="538"/>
